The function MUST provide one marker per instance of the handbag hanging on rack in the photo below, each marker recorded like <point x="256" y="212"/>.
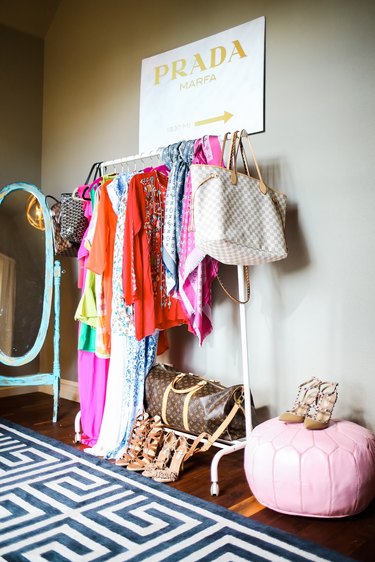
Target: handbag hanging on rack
<point x="238" y="220"/>
<point x="62" y="247"/>
<point x="73" y="220"/>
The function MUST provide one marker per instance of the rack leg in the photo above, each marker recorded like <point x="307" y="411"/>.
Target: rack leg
<point x="215" y="462"/>
<point x="56" y="338"/>
<point x="246" y="383"/>
<point x="244" y="348"/>
<point x="56" y="398"/>
<point x="77" y="427"/>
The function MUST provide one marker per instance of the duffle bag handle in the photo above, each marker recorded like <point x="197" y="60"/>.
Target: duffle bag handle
<point x="197" y="386"/>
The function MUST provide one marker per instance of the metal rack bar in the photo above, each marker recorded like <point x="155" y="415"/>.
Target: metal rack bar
<point x="144" y="155"/>
<point x="128" y="159"/>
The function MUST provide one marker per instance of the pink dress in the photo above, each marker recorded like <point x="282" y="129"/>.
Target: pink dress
<point x="92" y="373"/>
<point x="196" y="270"/>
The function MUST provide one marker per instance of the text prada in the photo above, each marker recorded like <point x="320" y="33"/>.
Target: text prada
<point x="181" y="68"/>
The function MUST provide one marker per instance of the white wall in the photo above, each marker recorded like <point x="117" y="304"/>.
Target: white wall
<point x="312" y="314"/>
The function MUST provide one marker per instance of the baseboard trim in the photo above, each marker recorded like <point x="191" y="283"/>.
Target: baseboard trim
<point x="68" y="390"/>
<point x="16" y="390"/>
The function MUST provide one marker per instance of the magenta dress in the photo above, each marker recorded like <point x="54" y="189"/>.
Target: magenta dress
<point x="92" y="370"/>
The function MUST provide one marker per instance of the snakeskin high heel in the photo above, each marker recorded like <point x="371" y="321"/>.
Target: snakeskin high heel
<point x="151" y="446"/>
<point x="307" y="393"/>
<point x="137" y="439"/>
<point x="164" y="456"/>
<point x="171" y="473"/>
<point x="319" y="414"/>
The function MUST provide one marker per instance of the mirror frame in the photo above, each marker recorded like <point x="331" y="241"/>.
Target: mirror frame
<point x="49" y="271"/>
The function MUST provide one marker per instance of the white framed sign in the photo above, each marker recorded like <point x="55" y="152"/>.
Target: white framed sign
<point x="210" y="86"/>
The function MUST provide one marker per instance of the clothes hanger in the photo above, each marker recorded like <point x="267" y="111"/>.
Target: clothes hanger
<point x="94" y="183"/>
<point x="75" y="195"/>
<point x="95" y="167"/>
<point x="89" y="187"/>
<point x="88" y="183"/>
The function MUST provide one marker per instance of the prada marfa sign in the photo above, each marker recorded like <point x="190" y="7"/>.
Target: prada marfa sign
<point x="207" y="87"/>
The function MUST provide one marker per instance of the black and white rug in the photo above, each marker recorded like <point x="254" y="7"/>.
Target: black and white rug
<point x="62" y="505"/>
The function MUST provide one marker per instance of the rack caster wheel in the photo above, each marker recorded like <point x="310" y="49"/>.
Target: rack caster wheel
<point x="77" y="439"/>
<point x="214" y="489"/>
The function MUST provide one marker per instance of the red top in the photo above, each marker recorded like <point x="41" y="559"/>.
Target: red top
<point x="143" y="270"/>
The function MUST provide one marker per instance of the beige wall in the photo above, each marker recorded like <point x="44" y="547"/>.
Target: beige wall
<point x="21" y="102"/>
<point x="314" y="313"/>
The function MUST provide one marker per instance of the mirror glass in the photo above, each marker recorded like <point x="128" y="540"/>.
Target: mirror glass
<point x="22" y="270"/>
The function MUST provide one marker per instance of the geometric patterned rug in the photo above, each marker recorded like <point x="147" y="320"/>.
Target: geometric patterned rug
<point x="63" y="505"/>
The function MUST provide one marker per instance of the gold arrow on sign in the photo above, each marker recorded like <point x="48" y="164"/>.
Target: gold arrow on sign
<point x="225" y="117"/>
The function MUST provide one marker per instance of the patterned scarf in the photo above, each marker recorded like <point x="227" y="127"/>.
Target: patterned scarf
<point x="196" y="270"/>
<point x="178" y="158"/>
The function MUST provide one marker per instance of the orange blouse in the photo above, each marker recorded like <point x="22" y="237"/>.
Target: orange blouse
<point x="143" y="271"/>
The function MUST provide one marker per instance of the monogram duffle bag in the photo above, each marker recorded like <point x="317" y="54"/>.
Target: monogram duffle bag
<point x="190" y="403"/>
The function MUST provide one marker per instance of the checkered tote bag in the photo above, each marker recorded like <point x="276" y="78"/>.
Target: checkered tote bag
<point x="62" y="247"/>
<point x="237" y="219"/>
<point x="73" y="220"/>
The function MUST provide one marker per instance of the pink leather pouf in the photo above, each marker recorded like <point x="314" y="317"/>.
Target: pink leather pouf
<point x="324" y="473"/>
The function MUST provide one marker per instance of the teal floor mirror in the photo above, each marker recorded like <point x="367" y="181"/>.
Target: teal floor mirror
<point x="29" y="285"/>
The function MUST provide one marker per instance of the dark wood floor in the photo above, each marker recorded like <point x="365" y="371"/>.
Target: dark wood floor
<point x="352" y="536"/>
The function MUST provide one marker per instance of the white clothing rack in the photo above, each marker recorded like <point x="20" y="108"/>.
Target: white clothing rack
<point x="226" y="447"/>
<point x="146" y="155"/>
<point x="129" y="159"/>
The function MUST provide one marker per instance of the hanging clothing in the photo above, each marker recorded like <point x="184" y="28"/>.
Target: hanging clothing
<point x="196" y="270"/>
<point x="92" y="370"/>
<point x="100" y="261"/>
<point x="130" y="359"/>
<point x="125" y="391"/>
<point x="178" y="157"/>
<point x="116" y="189"/>
<point x="143" y="272"/>
<point x="91" y="307"/>
<point x="140" y="220"/>
<point x="92" y="386"/>
<point x="86" y="312"/>
<point x="141" y="358"/>
<point x="122" y="321"/>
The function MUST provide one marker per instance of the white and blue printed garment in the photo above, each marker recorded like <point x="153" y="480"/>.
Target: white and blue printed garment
<point x="178" y="157"/>
<point x="140" y="358"/>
